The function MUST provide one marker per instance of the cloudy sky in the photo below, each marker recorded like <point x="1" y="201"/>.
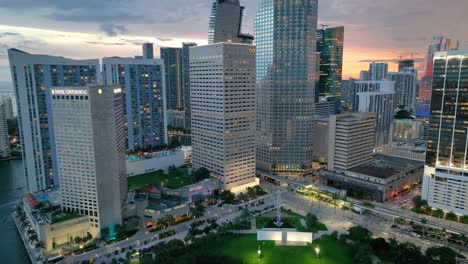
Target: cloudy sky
<point x="374" y="30"/>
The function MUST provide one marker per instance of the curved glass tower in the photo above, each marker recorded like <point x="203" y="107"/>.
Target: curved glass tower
<point x="226" y="23"/>
<point x="285" y="33"/>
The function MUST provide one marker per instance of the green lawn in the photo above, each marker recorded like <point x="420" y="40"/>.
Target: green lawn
<point x="244" y="249"/>
<point x="176" y="179"/>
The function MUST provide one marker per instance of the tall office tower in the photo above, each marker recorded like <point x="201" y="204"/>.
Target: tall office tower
<point x="148" y="51"/>
<point x="350" y="140"/>
<point x="173" y="74"/>
<point x="405" y="64"/>
<point x="444" y="182"/>
<point x="377" y="97"/>
<point x="223" y="112"/>
<point x="4" y="137"/>
<point x="364" y="76"/>
<point x="90" y="135"/>
<point x="377" y="71"/>
<point x="33" y="76"/>
<point x="423" y="105"/>
<point x="186" y="82"/>
<point x="347" y="94"/>
<point x="226" y="23"/>
<point x="8" y="107"/>
<point x="144" y="99"/>
<point x="330" y="47"/>
<point x="406" y="83"/>
<point x="285" y="34"/>
<point x="438" y="43"/>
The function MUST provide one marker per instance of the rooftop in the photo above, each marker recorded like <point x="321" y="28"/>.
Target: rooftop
<point x="383" y="166"/>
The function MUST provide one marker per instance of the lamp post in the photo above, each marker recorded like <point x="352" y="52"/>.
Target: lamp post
<point x="259" y="252"/>
<point x="317" y="251"/>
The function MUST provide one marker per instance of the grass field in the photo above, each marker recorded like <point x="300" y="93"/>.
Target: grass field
<point x="244" y="249"/>
<point x="176" y="179"/>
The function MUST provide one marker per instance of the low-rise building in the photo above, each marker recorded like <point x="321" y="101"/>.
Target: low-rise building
<point x="53" y="226"/>
<point x="142" y="163"/>
<point x="381" y="179"/>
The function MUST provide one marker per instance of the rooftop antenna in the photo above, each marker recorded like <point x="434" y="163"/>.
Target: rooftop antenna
<point x="324" y="27"/>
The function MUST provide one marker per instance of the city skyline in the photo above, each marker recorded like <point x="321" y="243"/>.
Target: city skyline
<point x="84" y="31"/>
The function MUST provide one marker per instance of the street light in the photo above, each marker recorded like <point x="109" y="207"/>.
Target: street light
<point x="259" y="252"/>
<point x="317" y="251"/>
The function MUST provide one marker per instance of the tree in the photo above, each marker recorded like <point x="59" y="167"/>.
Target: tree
<point x="363" y="254"/>
<point x="245" y="215"/>
<point x="311" y="221"/>
<point x="175" y="247"/>
<point x="359" y="234"/>
<point x="441" y="255"/>
<point x="89" y="236"/>
<point x="424" y="222"/>
<point x="407" y="253"/>
<point x="40" y="244"/>
<point x="242" y="196"/>
<point x="105" y="233"/>
<point x="77" y="240"/>
<point x="119" y="231"/>
<point x="251" y="192"/>
<point x="146" y="259"/>
<point x="227" y="197"/>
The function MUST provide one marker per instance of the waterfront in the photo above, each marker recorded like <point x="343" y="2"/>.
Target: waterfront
<point x="11" y="247"/>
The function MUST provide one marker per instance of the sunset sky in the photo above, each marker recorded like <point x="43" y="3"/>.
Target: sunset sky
<point x="374" y="30"/>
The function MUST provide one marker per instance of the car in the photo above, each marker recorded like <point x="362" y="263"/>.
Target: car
<point x="220" y="205"/>
<point x="121" y="260"/>
<point x="426" y="242"/>
<point x="415" y="234"/>
<point x="393" y="226"/>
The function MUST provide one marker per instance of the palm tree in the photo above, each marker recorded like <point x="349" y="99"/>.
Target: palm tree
<point x="40" y="244"/>
<point x="33" y="238"/>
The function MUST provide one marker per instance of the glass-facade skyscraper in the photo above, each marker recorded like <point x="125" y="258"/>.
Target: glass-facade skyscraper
<point x="330" y="47"/>
<point x="285" y="33"/>
<point x="186" y="82"/>
<point x="33" y="77"/>
<point x="226" y="23"/>
<point x="174" y="83"/>
<point x="143" y="97"/>
<point x="444" y="182"/>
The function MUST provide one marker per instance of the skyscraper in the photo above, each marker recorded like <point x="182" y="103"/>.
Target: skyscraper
<point x="405" y="64"/>
<point x="148" y="51"/>
<point x="226" y="23"/>
<point x="406" y="83"/>
<point x="330" y="47"/>
<point x="377" y="97"/>
<point x="8" y="107"/>
<point x="364" y="76"/>
<point x="285" y="34"/>
<point x="347" y="93"/>
<point x="186" y="82"/>
<point x="33" y="76"/>
<point x="4" y="137"/>
<point x="444" y="183"/>
<point x="90" y="135"/>
<point x="350" y="140"/>
<point x="439" y="43"/>
<point x="144" y="99"/>
<point x="174" y="83"/>
<point x="223" y="112"/>
<point x="377" y="71"/>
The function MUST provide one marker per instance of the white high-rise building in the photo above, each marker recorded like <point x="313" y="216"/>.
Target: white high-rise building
<point x="445" y="182"/>
<point x="4" y="137"/>
<point x="406" y="84"/>
<point x="33" y="78"/>
<point x="377" y="71"/>
<point x="222" y="92"/>
<point x="90" y="138"/>
<point x="377" y="97"/>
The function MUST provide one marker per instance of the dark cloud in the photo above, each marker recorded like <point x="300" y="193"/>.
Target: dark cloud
<point x="417" y="60"/>
<point x="113" y="30"/>
<point x="105" y="43"/>
<point x="10" y="34"/>
<point x="165" y="39"/>
<point x="89" y="16"/>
